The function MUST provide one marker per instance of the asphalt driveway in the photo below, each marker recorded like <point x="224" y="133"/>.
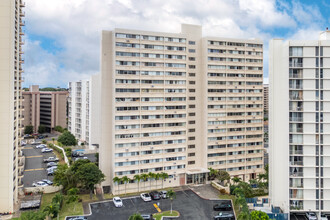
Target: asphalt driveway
<point x="187" y="203"/>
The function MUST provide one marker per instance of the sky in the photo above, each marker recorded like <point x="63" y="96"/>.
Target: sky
<point x="62" y="41"/>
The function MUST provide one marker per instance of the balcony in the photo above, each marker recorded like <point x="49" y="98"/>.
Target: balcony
<point x="21" y="4"/>
<point x="296" y="163"/>
<point x="297" y="119"/>
<point x="21" y="13"/>
<point x="299" y="152"/>
<point x="296" y="174"/>
<point x="295" y="64"/>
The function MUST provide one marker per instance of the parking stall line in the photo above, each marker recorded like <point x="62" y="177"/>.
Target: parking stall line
<point x="156" y="206"/>
<point x="28" y="148"/>
<point x="34" y="169"/>
<point x="34" y="156"/>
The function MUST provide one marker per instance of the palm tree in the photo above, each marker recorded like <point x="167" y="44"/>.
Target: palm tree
<point x="244" y="215"/>
<point x="53" y="139"/>
<point x="236" y="180"/>
<point x="163" y="176"/>
<point x="151" y="176"/>
<point x="171" y="194"/>
<point x="213" y="173"/>
<point x="157" y="177"/>
<point x="52" y="210"/>
<point x="239" y="202"/>
<point x="126" y="180"/>
<point x="58" y="198"/>
<point x="144" y="176"/>
<point x="117" y="180"/>
<point x="138" y="178"/>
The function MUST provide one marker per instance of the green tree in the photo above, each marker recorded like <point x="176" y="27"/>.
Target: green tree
<point x="236" y="180"/>
<point x="135" y="216"/>
<point x="171" y="195"/>
<point x="137" y="178"/>
<point x="44" y="141"/>
<point x="32" y="215"/>
<point x="223" y="175"/>
<point x="67" y="139"/>
<point x="144" y="176"/>
<point x="97" y="157"/>
<point x="73" y="197"/>
<point x="150" y="177"/>
<point x="126" y="180"/>
<point x="117" y="180"/>
<point x="157" y="177"/>
<point x="247" y="189"/>
<point x="213" y="173"/>
<point x="28" y="129"/>
<point x="259" y="215"/>
<point x="41" y="129"/>
<point x="58" y="198"/>
<point x="59" y="128"/>
<point x="163" y="176"/>
<point x="89" y="175"/>
<point x="53" y="139"/>
<point x="52" y="210"/>
<point x="244" y="215"/>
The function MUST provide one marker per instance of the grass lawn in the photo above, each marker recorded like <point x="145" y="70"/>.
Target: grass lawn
<point x="86" y="198"/>
<point x="159" y="216"/>
<point x="67" y="209"/>
<point x="233" y="198"/>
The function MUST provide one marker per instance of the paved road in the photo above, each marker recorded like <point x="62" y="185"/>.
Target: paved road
<point x="35" y="168"/>
<point x="187" y="203"/>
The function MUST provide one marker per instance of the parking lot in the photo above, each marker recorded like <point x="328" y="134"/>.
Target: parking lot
<point x="187" y="203"/>
<point x="35" y="168"/>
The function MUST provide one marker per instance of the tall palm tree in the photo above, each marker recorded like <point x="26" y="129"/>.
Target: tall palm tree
<point x="138" y="178"/>
<point x="163" y="176"/>
<point x="117" y="180"/>
<point x="171" y="194"/>
<point x="144" y="176"/>
<point x="151" y="176"/>
<point x="52" y="210"/>
<point x="126" y="180"/>
<point x="157" y="177"/>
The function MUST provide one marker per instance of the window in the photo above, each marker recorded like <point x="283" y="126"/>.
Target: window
<point x="192" y="42"/>
<point x="192" y="98"/>
<point x="191" y="146"/>
<point x="191" y="138"/>
<point x="192" y="67"/>
<point x="191" y="154"/>
<point x="192" y="74"/>
<point x="192" y="130"/>
<point x="192" y="106"/>
<point x="191" y="162"/>
<point x="192" y="82"/>
<point x="192" y="58"/>
<point x="191" y="122"/>
<point x="192" y="90"/>
<point x="192" y="50"/>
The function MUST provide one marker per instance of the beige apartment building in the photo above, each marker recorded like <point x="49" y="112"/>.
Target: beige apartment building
<point x="180" y="103"/>
<point x="266" y="98"/>
<point x="11" y="60"/>
<point x="45" y="108"/>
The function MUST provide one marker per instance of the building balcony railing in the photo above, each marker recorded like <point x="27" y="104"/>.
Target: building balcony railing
<point x="297" y="185"/>
<point x="296" y="163"/>
<point x="295" y="64"/>
<point x="296" y="196"/>
<point x="296" y="152"/>
<point x="295" y="76"/>
<point x="297" y="174"/>
<point x="21" y="3"/>
<point x="296" y="207"/>
<point x="297" y="109"/>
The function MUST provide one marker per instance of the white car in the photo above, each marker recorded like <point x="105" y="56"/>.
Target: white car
<point x="40" y="183"/>
<point x="41" y="146"/>
<point x="323" y="217"/>
<point x="146" y="197"/>
<point x="311" y="216"/>
<point x="117" y="201"/>
<point x="46" y="150"/>
<point x="52" y="169"/>
<point x="163" y="194"/>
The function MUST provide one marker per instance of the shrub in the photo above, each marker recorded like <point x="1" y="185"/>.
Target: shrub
<point x="28" y="129"/>
<point x="59" y="129"/>
<point x="67" y="139"/>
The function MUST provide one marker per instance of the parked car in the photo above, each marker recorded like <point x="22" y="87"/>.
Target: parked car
<point x="324" y="217"/>
<point x="77" y="153"/>
<point x="163" y="194"/>
<point x="51" y="159"/>
<point x="53" y="168"/>
<point x="311" y="216"/>
<point x="39" y="183"/>
<point x="118" y="202"/>
<point x="41" y="146"/>
<point x="155" y="195"/>
<point x="81" y="158"/>
<point x="222" y="207"/>
<point x="147" y="216"/>
<point x="79" y="218"/>
<point x="50" y="172"/>
<point x="41" y="137"/>
<point x="46" y="150"/>
<point x="51" y="164"/>
<point x="223" y="216"/>
<point x="146" y="197"/>
<point x="47" y="181"/>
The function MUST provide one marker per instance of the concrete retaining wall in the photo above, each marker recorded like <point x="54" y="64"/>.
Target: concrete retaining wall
<point x="43" y="189"/>
<point x="219" y="187"/>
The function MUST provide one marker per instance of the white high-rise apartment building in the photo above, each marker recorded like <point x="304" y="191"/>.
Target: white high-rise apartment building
<point x="180" y="103"/>
<point x="299" y="124"/>
<point x="11" y="60"/>
<point x="83" y="107"/>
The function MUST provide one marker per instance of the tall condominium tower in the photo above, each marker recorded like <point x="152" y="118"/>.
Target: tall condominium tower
<point x="84" y="107"/>
<point x="180" y="103"/>
<point x="299" y="124"/>
<point x="11" y="60"/>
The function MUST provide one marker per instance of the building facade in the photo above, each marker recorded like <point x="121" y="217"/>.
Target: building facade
<point x="180" y="103"/>
<point x="299" y="124"/>
<point x="11" y="62"/>
<point x="83" y="110"/>
<point x="46" y="108"/>
<point x="266" y="98"/>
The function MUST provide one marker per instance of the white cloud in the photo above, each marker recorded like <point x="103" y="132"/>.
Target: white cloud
<point x="75" y="27"/>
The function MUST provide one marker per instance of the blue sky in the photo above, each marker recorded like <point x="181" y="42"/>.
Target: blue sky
<point x="63" y="36"/>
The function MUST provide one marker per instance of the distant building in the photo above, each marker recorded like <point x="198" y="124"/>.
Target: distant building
<point x="11" y="130"/>
<point x="46" y="108"/>
<point x="83" y="108"/>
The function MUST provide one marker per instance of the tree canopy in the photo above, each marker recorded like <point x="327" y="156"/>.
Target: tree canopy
<point x="32" y="215"/>
<point x="28" y="129"/>
<point x="41" y="129"/>
<point x="67" y="139"/>
<point x="259" y="215"/>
